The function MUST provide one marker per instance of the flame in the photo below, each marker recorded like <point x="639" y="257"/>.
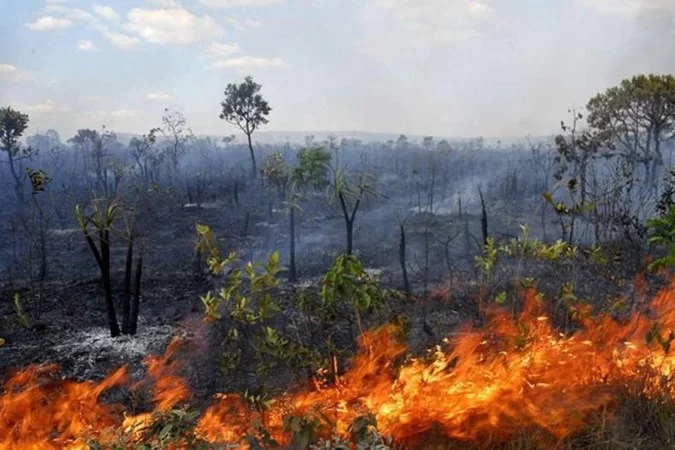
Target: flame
<point x="512" y="374"/>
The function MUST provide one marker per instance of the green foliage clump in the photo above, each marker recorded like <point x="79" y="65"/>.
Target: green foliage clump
<point x="247" y="294"/>
<point x="523" y="247"/>
<point x="347" y="281"/>
<point x="276" y="172"/>
<point x="312" y="168"/>
<point x="662" y="233"/>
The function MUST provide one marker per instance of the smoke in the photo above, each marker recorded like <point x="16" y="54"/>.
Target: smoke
<point x="649" y="46"/>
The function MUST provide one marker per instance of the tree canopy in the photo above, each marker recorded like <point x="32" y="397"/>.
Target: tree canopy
<point x="12" y="126"/>
<point x="639" y="114"/>
<point x="245" y="107"/>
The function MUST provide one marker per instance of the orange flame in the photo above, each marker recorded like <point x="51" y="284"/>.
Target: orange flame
<point x="511" y="375"/>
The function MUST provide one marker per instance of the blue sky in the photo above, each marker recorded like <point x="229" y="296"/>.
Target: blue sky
<point x="454" y="68"/>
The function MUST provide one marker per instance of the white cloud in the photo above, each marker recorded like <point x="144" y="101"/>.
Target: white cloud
<point x="165" y="3"/>
<point x="121" y="41"/>
<point x="49" y="23"/>
<point x="629" y="7"/>
<point x="45" y="107"/>
<point x="73" y="14"/>
<point x="253" y="23"/>
<point x="124" y="113"/>
<point x="158" y="96"/>
<point x="246" y="62"/>
<point x="238" y="3"/>
<point x="241" y="26"/>
<point x="235" y="24"/>
<point x="219" y="57"/>
<point x="86" y="46"/>
<point x="12" y="74"/>
<point x="106" y="12"/>
<point x="171" y="25"/>
<point x="220" y="50"/>
<point x="441" y="22"/>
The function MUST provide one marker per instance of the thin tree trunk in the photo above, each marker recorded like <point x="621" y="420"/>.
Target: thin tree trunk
<point x="126" y="297"/>
<point x="426" y="257"/>
<point x="135" y="305"/>
<point x="402" y="259"/>
<point x="292" y="274"/>
<point x="107" y="285"/>
<point x="483" y="219"/>
<point x="350" y="236"/>
<point x="18" y="186"/>
<point x="250" y="149"/>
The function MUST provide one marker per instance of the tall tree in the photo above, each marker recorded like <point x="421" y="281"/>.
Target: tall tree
<point x="147" y="156"/>
<point x="179" y="138"/>
<point x="95" y="147"/>
<point x="640" y="115"/>
<point x="402" y="142"/>
<point x="44" y="142"/>
<point x="12" y="126"/>
<point x="428" y="143"/>
<point x="443" y="146"/>
<point x="245" y="107"/>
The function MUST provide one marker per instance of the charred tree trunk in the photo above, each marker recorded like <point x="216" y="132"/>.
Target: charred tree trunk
<point x="104" y="265"/>
<point x="292" y="274"/>
<point x="126" y="297"/>
<point x="350" y="236"/>
<point x="133" y="326"/>
<point x="402" y="259"/>
<point x="349" y="221"/>
<point x="426" y="258"/>
<point x="543" y="221"/>
<point x="246" y="222"/>
<point x="483" y="219"/>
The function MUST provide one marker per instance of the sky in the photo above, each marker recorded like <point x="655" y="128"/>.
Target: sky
<point x="451" y="68"/>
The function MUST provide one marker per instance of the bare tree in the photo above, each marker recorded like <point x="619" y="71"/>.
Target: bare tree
<point x="178" y="137"/>
<point x="147" y="156"/>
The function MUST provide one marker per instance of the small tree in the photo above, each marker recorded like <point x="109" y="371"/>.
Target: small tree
<point x="147" y="156"/>
<point x="96" y="149"/>
<point x="292" y="205"/>
<point x="102" y="218"/>
<point x="312" y="168"/>
<point x="36" y="220"/>
<point x="276" y="173"/>
<point x="349" y="191"/>
<point x="12" y="126"/>
<point x="577" y="152"/>
<point x="245" y="107"/>
<point x="102" y="215"/>
<point x="178" y="138"/>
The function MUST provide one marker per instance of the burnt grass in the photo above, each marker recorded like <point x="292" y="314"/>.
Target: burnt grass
<point x="71" y="328"/>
